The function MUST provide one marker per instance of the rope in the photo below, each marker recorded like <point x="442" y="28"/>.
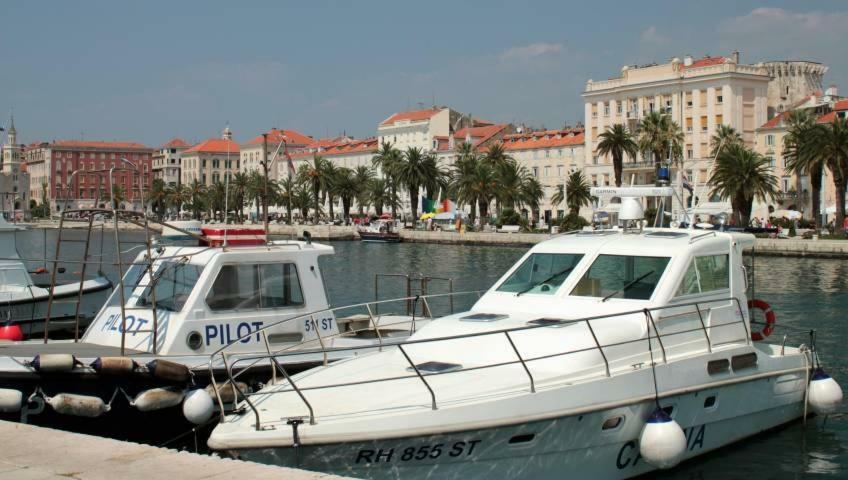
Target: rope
<point x="653" y="366"/>
<point x="193" y="430"/>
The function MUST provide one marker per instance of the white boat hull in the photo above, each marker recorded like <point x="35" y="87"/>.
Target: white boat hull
<point x="29" y="310"/>
<point x="567" y="447"/>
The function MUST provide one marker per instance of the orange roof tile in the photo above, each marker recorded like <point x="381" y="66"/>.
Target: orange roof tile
<point x="479" y="135"/>
<point x="356" y="146"/>
<point x="412" y="116"/>
<point x="292" y="137"/>
<point x="841" y="105"/>
<point x="176" y="143"/>
<point x="827" y="118"/>
<point x="544" y="139"/>
<point x="705" y="62"/>
<point x="97" y="144"/>
<point x="775" y="121"/>
<point x="215" y="145"/>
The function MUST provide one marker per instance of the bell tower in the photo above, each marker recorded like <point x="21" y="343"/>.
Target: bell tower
<point x="12" y="152"/>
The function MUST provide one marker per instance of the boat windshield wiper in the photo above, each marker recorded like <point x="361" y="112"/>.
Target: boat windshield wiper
<point x="629" y="284"/>
<point x="531" y="287"/>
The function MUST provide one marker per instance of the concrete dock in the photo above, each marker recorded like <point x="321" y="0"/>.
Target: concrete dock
<point x="30" y="452"/>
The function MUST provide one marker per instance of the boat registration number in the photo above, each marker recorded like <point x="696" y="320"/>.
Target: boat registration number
<point x="415" y="453"/>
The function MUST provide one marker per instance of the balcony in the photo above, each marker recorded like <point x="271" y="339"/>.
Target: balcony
<point x="640" y="165"/>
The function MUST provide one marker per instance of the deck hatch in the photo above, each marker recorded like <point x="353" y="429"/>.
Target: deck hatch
<point x="437" y="367"/>
<point x="718" y="366"/>
<point x="747" y="360"/>
<point x="666" y="235"/>
<point x="548" y="322"/>
<point x="483" y="317"/>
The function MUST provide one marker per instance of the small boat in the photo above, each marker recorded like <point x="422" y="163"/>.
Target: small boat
<point x="382" y="230"/>
<point x="24" y="303"/>
<point x="600" y="354"/>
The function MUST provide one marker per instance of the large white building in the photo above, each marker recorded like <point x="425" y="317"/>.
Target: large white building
<point x="210" y="161"/>
<point x="418" y="128"/>
<point x="167" y="161"/>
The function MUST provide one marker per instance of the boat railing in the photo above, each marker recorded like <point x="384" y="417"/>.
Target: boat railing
<point x="655" y="340"/>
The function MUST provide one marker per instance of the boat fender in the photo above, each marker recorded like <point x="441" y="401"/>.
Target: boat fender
<point x="12" y="333"/>
<point x="158" y="398"/>
<point x="825" y="394"/>
<point x="78" y="405"/>
<point x="227" y="393"/>
<point x="771" y="319"/>
<point x="198" y="406"/>
<point x="662" y="442"/>
<point x="10" y="400"/>
<point x="114" y="365"/>
<point x="54" y="362"/>
<point x="170" y="371"/>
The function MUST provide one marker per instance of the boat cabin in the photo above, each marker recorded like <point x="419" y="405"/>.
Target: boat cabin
<point x="209" y="297"/>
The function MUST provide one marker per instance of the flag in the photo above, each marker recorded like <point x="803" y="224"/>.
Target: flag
<point x="427" y="205"/>
<point x="290" y="163"/>
<point x="686" y="184"/>
<point x="446" y="206"/>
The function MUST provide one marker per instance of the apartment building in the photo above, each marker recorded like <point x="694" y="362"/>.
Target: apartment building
<point x="167" y="161"/>
<point x="252" y="153"/>
<point x="210" y="161"/>
<point x="418" y="128"/>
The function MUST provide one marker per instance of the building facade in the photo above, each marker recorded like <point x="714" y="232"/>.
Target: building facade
<point x="75" y="173"/>
<point x="418" y="128"/>
<point x="698" y="94"/>
<point x="252" y="153"/>
<point x="792" y="81"/>
<point x="210" y="161"/>
<point x="14" y="179"/>
<point x="167" y="161"/>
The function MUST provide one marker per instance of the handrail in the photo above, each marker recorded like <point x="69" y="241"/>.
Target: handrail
<point x="520" y="358"/>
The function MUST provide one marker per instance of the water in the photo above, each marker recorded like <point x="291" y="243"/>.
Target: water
<point x="807" y="293"/>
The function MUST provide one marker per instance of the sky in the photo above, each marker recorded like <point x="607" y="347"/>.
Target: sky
<point x="150" y="71"/>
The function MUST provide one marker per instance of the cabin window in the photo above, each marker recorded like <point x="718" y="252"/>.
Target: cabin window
<point x="271" y="285"/>
<point x="173" y="283"/>
<point x="541" y="273"/>
<point x="705" y="274"/>
<point x="621" y="276"/>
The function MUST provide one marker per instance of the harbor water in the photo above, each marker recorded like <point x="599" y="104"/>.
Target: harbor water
<point x="804" y="292"/>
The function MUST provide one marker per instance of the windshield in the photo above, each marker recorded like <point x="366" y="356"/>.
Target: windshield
<point x="173" y="283"/>
<point x="541" y="273"/>
<point x="621" y="276"/>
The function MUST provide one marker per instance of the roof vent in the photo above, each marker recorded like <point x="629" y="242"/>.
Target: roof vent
<point x="437" y="367"/>
<point x="484" y="317"/>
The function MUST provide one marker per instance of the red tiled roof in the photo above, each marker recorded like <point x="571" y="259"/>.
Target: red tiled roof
<point x="705" y="62"/>
<point x="292" y="137"/>
<point x="327" y="142"/>
<point x="826" y="118"/>
<point x="215" y="145"/>
<point x="544" y="139"/>
<point x="841" y="105"/>
<point x="97" y="144"/>
<point x="479" y="135"/>
<point x="775" y="121"/>
<point x="412" y="116"/>
<point x="176" y="143"/>
<point x="356" y="146"/>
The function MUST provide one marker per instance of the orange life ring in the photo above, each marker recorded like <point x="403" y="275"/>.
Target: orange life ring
<point x="771" y="319"/>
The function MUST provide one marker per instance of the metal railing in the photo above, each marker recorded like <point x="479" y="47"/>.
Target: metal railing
<point x="653" y="334"/>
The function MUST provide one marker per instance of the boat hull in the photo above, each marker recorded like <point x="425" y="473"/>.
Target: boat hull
<point x="566" y="447"/>
<point x="30" y="313"/>
<point x="379" y="237"/>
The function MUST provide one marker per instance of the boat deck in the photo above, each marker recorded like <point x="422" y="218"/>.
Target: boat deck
<point x="78" y="349"/>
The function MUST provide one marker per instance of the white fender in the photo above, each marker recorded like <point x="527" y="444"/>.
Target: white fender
<point x="198" y="406"/>
<point x="825" y="395"/>
<point x="10" y="400"/>
<point x="54" y="362"/>
<point x="78" y="405"/>
<point x="662" y="442"/>
<point x="157" y="399"/>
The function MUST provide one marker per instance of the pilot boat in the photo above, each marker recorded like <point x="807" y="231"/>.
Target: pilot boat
<point x="173" y="307"/>
<point x="599" y="354"/>
<point x="24" y="303"/>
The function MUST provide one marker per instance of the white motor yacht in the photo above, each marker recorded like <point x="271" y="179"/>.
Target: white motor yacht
<point x="599" y="354"/>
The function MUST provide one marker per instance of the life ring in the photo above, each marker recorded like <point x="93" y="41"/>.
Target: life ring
<point x="771" y="319"/>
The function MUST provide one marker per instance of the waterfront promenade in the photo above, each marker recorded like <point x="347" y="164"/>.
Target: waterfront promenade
<point x="43" y="453"/>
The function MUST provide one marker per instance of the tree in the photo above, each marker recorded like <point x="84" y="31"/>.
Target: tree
<point x="176" y="196"/>
<point x="742" y="176"/>
<point x="462" y="176"/>
<point x="255" y="190"/>
<point x="379" y="194"/>
<point x="617" y="141"/>
<point x="347" y="189"/>
<point x="577" y="192"/>
<point x="387" y="160"/>
<point x="497" y="157"/>
<point x="363" y="175"/>
<point x="239" y="187"/>
<point x="801" y="155"/>
<point x="315" y="174"/>
<point x="214" y="200"/>
<point x="724" y="136"/>
<point x="287" y="188"/>
<point x="118" y="195"/>
<point x="195" y="193"/>
<point x="413" y="171"/>
<point x="559" y="195"/>
<point x="658" y="136"/>
<point x="157" y="198"/>
<point x="831" y="143"/>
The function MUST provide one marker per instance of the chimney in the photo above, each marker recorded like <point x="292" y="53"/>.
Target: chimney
<point x="687" y="60"/>
<point x="735" y="57"/>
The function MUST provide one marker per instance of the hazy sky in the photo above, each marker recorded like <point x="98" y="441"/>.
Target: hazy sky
<point x="148" y="71"/>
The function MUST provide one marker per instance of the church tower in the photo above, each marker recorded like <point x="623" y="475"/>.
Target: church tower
<point x="12" y="152"/>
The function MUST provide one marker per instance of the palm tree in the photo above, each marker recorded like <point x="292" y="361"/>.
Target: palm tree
<point x="302" y="199"/>
<point x="195" y="193"/>
<point x="214" y="200"/>
<point x="176" y="196"/>
<point x="481" y="185"/>
<point x="497" y="157"/>
<point x="831" y="143"/>
<point x="330" y="171"/>
<point x="801" y="155"/>
<point x="724" y="136"/>
<point x="315" y="175"/>
<point x="379" y="194"/>
<point x="239" y="186"/>
<point x="577" y="192"/>
<point x="558" y="196"/>
<point x="287" y="188"/>
<point x="617" y="141"/>
<point x="462" y="174"/>
<point x="158" y="194"/>
<point x="118" y="195"/>
<point x="255" y="190"/>
<point x="532" y="193"/>
<point x="741" y="175"/>
<point x="387" y="159"/>
<point x="658" y="136"/>
<point x="413" y="171"/>
<point x="363" y="175"/>
<point x="346" y="188"/>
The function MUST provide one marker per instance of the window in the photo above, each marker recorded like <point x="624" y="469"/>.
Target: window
<point x="271" y="285"/>
<point x="621" y="276"/>
<point x="703" y="124"/>
<point x="547" y="171"/>
<point x="606" y="110"/>
<point x="541" y="273"/>
<point x="174" y="283"/>
<point x="689" y="153"/>
<point x="706" y="274"/>
<point x="770" y="161"/>
<point x="770" y="140"/>
<point x="719" y="99"/>
<point x="560" y="170"/>
<point x="536" y="172"/>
